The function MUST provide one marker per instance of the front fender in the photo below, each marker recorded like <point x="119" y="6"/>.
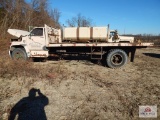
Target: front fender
<point x="28" y="52"/>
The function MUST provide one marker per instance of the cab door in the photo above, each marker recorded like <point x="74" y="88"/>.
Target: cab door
<point x="37" y="39"/>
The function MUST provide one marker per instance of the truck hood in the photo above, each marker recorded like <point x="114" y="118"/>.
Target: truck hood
<point x="126" y="38"/>
<point x="17" y="33"/>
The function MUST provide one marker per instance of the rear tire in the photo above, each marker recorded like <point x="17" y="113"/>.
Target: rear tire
<point x="19" y="54"/>
<point x="116" y="58"/>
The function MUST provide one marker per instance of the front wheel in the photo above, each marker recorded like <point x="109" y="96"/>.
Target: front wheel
<point x="116" y="58"/>
<point x="19" y="54"/>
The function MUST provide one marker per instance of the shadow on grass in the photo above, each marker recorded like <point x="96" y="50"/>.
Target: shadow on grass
<point x="31" y="107"/>
<point x="85" y="58"/>
<point x="152" y="55"/>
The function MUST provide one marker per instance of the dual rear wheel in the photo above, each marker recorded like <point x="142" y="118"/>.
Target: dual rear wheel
<point x="116" y="58"/>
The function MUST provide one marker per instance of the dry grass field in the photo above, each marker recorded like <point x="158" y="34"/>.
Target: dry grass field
<point x="82" y="90"/>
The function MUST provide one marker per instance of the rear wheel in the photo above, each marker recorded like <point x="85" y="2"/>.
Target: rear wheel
<point x="19" y="54"/>
<point x="116" y="58"/>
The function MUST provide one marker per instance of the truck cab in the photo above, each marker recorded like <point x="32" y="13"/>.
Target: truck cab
<point x="115" y="37"/>
<point x="33" y="43"/>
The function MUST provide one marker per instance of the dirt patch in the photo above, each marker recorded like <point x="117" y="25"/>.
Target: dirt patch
<point x="79" y="90"/>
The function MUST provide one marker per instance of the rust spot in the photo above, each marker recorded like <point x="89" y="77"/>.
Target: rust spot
<point x="87" y="45"/>
<point x="134" y="44"/>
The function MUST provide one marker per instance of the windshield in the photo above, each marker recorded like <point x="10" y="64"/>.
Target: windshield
<point x="112" y="33"/>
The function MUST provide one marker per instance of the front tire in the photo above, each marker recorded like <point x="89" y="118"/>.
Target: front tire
<point x="116" y="58"/>
<point x="19" y="54"/>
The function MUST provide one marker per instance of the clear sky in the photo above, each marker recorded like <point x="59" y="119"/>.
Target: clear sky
<point x="129" y="16"/>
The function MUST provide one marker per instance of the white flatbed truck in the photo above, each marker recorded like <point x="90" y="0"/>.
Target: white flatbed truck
<point x="99" y="43"/>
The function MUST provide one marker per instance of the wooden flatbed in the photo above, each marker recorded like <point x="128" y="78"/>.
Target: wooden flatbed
<point x="101" y="45"/>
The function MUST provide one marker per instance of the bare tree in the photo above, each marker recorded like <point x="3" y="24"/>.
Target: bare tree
<point x="72" y="22"/>
<point x="79" y="21"/>
<point x="55" y="15"/>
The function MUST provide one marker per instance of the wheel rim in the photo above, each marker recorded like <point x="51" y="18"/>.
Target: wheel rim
<point x="19" y="55"/>
<point x="117" y="59"/>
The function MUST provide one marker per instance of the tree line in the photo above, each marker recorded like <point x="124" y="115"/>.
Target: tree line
<point x="146" y="38"/>
<point x="19" y="14"/>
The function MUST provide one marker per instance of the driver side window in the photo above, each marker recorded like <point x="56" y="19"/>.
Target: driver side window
<point x="37" y="32"/>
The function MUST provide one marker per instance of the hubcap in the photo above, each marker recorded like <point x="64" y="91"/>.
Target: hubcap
<point x="117" y="59"/>
<point x="19" y="55"/>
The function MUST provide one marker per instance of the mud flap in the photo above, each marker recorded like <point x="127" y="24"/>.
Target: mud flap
<point x="133" y="51"/>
